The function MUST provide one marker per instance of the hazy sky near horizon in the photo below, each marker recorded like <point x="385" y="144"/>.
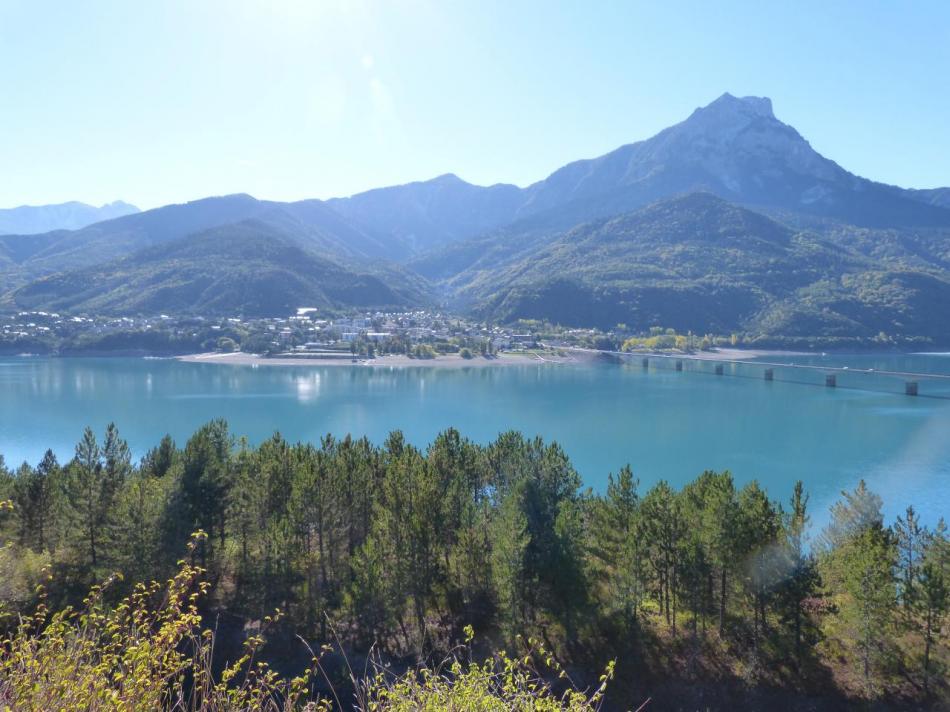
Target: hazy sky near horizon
<point x="167" y="101"/>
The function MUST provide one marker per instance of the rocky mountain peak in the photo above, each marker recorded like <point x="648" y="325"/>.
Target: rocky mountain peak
<point x="746" y="105"/>
<point x="729" y="115"/>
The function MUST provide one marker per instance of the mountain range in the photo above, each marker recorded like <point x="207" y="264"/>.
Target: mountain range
<point x="35" y="219"/>
<point x="728" y="221"/>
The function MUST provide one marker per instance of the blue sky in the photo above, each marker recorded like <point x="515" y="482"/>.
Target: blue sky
<point x="158" y="102"/>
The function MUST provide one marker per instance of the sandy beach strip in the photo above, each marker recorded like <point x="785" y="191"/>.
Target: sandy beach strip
<point x="566" y="355"/>
<point x="240" y="358"/>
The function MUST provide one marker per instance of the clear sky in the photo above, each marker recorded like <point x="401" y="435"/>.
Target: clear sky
<point x="167" y="101"/>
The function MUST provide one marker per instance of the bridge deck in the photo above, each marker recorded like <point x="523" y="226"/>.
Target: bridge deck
<point x="904" y="375"/>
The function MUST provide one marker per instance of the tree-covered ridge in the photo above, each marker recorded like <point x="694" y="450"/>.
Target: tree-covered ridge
<point x="700" y="264"/>
<point x="250" y="268"/>
<point x="398" y="549"/>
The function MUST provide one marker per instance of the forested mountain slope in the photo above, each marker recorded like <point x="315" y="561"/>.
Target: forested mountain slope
<point x="249" y="268"/>
<point x="698" y="263"/>
<point x="310" y="222"/>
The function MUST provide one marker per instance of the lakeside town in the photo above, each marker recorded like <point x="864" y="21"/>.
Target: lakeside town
<point x="316" y="334"/>
<point x="307" y="334"/>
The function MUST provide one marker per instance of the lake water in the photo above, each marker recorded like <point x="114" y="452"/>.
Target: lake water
<point x="665" y="424"/>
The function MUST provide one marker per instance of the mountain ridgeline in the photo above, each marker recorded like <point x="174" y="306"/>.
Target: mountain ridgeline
<point x="34" y="219"/>
<point x="249" y="268"/>
<point x="726" y="222"/>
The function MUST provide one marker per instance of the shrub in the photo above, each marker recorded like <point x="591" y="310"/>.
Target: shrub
<point x="150" y="652"/>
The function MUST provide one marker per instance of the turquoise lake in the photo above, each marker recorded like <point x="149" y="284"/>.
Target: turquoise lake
<point x="665" y="424"/>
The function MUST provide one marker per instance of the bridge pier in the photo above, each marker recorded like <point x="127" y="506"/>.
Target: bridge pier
<point x="769" y="374"/>
<point x="718" y="369"/>
<point x="910" y="388"/>
<point x="679" y="365"/>
<point x="831" y="381"/>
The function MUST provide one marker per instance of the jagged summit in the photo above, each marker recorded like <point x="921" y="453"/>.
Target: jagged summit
<point x="757" y="105"/>
<point x="728" y="117"/>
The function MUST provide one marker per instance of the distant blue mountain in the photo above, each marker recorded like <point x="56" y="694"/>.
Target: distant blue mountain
<point x="35" y="219"/>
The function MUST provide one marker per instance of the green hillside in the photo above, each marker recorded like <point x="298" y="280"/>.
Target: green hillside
<point x="248" y="268"/>
<point x="699" y="263"/>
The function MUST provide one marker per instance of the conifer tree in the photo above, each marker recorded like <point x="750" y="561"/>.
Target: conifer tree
<point x="801" y="580"/>
<point x="204" y="487"/>
<point x="932" y="603"/>
<point x="34" y="491"/>
<point x="664" y="529"/>
<point x="90" y="486"/>
<point x="618" y="547"/>
<point x="510" y="539"/>
<point x="910" y="541"/>
<point x="759" y="526"/>
<point x="858" y="563"/>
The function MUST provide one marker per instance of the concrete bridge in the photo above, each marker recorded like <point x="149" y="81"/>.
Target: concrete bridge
<point x="716" y="366"/>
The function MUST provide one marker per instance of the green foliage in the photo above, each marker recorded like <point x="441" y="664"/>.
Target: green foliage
<point x="151" y="652"/>
<point x="91" y="485"/>
<point x="148" y="652"/>
<point x="423" y="351"/>
<point x="699" y="264"/>
<point x="618" y="549"/>
<point x="250" y="268"/>
<point x="394" y="549"/>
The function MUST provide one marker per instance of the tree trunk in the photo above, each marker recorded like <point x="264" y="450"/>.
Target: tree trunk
<point x="928" y="638"/>
<point x="673" y="596"/>
<point x="722" y="603"/>
<point x="798" y="635"/>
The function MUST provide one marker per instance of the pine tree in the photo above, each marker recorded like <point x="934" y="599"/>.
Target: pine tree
<point x="204" y="487"/>
<point x="140" y="507"/>
<point x="711" y="501"/>
<point x="802" y="581"/>
<point x="91" y="483"/>
<point x="618" y="547"/>
<point x="664" y="528"/>
<point x="869" y="560"/>
<point x="933" y="599"/>
<point x="159" y="460"/>
<point x="857" y="511"/>
<point x="910" y="540"/>
<point x="34" y="498"/>
<point x="510" y="539"/>
<point x="759" y="526"/>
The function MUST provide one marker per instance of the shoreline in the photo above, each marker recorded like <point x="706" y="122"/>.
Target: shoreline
<point x="574" y="356"/>
<point x="451" y="361"/>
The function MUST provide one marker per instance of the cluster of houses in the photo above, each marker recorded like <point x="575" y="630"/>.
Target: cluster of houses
<point x="42" y="324"/>
<point x="413" y="327"/>
<point x="308" y="330"/>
